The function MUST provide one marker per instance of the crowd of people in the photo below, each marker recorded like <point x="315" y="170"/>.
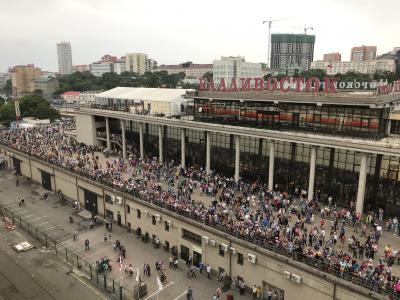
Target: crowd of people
<point x="270" y="218"/>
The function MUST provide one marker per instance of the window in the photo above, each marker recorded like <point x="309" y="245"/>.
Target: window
<point x="192" y="237"/>
<point x="128" y="209"/>
<point x="221" y="251"/>
<point x="138" y="214"/>
<point x="240" y="259"/>
<point x="153" y="220"/>
<point x="166" y="226"/>
<point x="316" y="118"/>
<point x="109" y="199"/>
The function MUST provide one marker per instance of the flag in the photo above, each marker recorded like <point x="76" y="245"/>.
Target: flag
<point x="120" y="263"/>
<point x="159" y="284"/>
<point x="137" y="275"/>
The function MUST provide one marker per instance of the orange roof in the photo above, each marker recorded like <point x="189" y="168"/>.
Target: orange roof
<point x="71" y="93"/>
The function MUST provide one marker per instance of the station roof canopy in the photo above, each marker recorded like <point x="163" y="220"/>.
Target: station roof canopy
<point x="150" y="94"/>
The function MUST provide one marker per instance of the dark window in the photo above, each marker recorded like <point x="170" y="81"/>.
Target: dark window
<point x="166" y="226"/>
<point x="128" y="209"/>
<point x="129" y="226"/>
<point x="221" y="251"/>
<point x="153" y="220"/>
<point x="316" y="118"/>
<point x="192" y="237"/>
<point x="240" y="259"/>
<point x="109" y="200"/>
<point x="138" y="214"/>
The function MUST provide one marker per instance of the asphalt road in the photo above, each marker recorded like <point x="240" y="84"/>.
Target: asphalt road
<point x="38" y="274"/>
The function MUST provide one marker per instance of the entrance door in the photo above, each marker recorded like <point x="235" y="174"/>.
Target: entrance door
<point x="17" y="166"/>
<point x="46" y="180"/>
<point x="196" y="259"/>
<point x="119" y="219"/>
<point x="90" y="201"/>
<point x="270" y="289"/>
<point x="184" y="253"/>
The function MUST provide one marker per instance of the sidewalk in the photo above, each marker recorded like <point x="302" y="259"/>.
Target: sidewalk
<point x="52" y="216"/>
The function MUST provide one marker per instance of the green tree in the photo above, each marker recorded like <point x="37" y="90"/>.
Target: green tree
<point x="319" y="73"/>
<point x="8" y="88"/>
<point x="385" y="75"/>
<point x="30" y="106"/>
<point x="208" y="76"/>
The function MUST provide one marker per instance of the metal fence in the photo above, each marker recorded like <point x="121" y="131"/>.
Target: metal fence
<point x="104" y="280"/>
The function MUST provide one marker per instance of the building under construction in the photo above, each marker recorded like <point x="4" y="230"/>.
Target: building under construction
<point x="291" y="52"/>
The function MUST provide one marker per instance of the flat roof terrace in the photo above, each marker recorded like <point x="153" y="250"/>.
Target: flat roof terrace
<point x="364" y="98"/>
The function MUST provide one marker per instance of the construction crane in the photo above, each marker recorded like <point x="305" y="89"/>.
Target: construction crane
<point x="270" y="21"/>
<point x="305" y="28"/>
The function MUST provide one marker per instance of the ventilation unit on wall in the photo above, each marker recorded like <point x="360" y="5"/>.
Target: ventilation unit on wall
<point x="169" y="223"/>
<point x="287" y="274"/>
<point x="296" y="278"/>
<point x="233" y="250"/>
<point x="157" y="217"/>
<point x="252" y="258"/>
<point x="113" y="199"/>
<point x="212" y="242"/>
<point x="224" y="247"/>
<point x="205" y="239"/>
<point x="119" y="200"/>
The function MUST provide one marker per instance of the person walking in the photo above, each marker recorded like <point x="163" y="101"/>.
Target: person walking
<point x="75" y="235"/>
<point x="86" y="244"/>
<point x="105" y="238"/>
<point x="208" y="271"/>
<point x="189" y="293"/>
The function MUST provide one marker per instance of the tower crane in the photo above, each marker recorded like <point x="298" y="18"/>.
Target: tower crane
<point x="270" y="21"/>
<point x="305" y="28"/>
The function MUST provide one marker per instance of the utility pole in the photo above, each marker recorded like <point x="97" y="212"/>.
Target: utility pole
<point x="17" y="112"/>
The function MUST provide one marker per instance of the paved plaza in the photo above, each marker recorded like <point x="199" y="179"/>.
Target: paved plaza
<point x="52" y="217"/>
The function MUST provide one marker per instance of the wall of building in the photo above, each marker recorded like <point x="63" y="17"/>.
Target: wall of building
<point x="86" y="130"/>
<point x="269" y="267"/>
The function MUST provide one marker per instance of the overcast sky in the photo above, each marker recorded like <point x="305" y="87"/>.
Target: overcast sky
<point x="175" y="31"/>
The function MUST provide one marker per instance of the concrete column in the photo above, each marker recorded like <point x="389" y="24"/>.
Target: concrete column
<point x="208" y="152"/>
<point x="271" y="166"/>
<point x="141" y="145"/>
<point x="361" y="184"/>
<point x="311" y="179"/>
<point x="123" y="139"/>
<point x="108" y="133"/>
<point x="160" y="144"/>
<point x="183" y="147"/>
<point x="388" y="126"/>
<point x="237" y="158"/>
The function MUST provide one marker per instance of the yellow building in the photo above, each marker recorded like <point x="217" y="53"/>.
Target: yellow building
<point x="21" y="79"/>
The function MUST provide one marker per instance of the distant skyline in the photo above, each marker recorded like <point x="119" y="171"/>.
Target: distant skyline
<point x="176" y="31"/>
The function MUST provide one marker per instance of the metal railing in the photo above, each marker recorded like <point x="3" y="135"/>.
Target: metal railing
<point x="103" y="280"/>
<point x="266" y="242"/>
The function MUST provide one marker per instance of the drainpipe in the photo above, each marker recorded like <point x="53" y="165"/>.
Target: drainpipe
<point x="230" y="260"/>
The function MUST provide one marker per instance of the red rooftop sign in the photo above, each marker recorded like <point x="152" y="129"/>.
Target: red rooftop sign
<point x="328" y="85"/>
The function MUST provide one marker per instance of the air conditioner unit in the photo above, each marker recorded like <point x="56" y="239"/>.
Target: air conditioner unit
<point x="224" y="247"/>
<point x="212" y="242"/>
<point x="119" y="200"/>
<point x="205" y="239"/>
<point x="157" y="217"/>
<point x="113" y="199"/>
<point x="296" y="278"/>
<point x="169" y="223"/>
<point x="252" y="258"/>
<point x="144" y="212"/>
<point x="233" y="250"/>
<point x="286" y="274"/>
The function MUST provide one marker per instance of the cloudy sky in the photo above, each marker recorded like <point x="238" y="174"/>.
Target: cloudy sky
<point x="174" y="31"/>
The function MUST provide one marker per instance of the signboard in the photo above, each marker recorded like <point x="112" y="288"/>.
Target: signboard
<point x="328" y="85"/>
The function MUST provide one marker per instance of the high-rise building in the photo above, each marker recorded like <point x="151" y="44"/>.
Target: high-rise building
<point x="363" y="53"/>
<point x="80" y="68"/>
<point x="119" y="66"/>
<point x="99" y="68"/>
<point x="136" y="63"/>
<point x="21" y="79"/>
<point x="333" y="57"/>
<point x="64" y="58"/>
<point x="365" y="67"/>
<point x="151" y="65"/>
<point x="290" y="52"/>
<point x="191" y="70"/>
<point x="229" y="67"/>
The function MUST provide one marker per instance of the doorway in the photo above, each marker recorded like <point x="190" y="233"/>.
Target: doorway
<point x="184" y="253"/>
<point x="17" y="166"/>
<point x="46" y="180"/>
<point x="119" y="219"/>
<point x="196" y="259"/>
<point x="268" y="289"/>
<point x="90" y="201"/>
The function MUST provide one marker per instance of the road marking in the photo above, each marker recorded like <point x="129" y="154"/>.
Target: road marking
<point x="164" y="287"/>
<point x="50" y="228"/>
<point x="41" y="224"/>
<point x="181" y="295"/>
<point x="38" y="218"/>
<point x="29" y="215"/>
